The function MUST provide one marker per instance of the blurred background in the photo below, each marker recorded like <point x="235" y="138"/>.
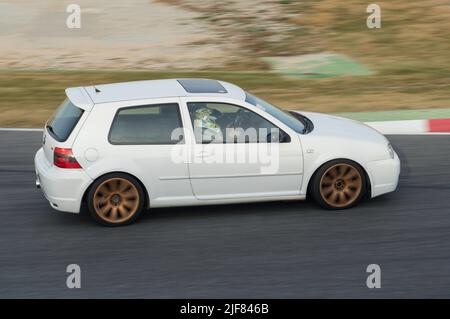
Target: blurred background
<point x="315" y="55"/>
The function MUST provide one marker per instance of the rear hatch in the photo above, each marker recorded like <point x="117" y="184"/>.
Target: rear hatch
<point x="61" y="129"/>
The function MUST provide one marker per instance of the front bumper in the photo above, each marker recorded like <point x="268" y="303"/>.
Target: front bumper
<point x="63" y="188"/>
<point x="384" y="175"/>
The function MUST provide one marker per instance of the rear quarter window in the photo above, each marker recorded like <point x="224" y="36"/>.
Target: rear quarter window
<point x="148" y="124"/>
<point x="64" y="121"/>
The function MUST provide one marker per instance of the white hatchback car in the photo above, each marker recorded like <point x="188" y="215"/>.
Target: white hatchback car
<point x="122" y="148"/>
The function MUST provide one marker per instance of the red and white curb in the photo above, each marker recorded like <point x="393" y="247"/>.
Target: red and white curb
<point x="412" y="126"/>
<point x="432" y="126"/>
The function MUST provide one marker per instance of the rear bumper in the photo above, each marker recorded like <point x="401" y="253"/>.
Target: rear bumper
<point x="384" y="175"/>
<point x="63" y="188"/>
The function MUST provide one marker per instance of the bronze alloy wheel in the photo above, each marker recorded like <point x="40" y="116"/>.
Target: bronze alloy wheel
<point x="340" y="185"/>
<point x="116" y="200"/>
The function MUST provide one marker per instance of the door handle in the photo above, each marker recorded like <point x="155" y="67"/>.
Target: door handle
<point x="200" y="154"/>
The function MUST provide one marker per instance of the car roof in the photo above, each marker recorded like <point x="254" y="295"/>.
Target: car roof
<point x="150" y="89"/>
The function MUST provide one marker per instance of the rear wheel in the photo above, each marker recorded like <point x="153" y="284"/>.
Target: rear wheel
<point x="339" y="184"/>
<point x="116" y="199"/>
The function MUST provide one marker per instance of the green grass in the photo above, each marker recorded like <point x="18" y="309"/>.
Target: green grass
<point x="27" y="98"/>
<point x="409" y="57"/>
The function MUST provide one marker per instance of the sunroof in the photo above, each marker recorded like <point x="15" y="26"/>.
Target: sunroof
<point x="202" y="86"/>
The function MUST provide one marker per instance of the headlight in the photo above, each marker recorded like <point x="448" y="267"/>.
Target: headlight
<point x="391" y="151"/>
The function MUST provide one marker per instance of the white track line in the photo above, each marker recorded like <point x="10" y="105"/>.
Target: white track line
<point x="17" y="129"/>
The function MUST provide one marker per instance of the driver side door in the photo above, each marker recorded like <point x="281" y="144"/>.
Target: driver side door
<point x="243" y="155"/>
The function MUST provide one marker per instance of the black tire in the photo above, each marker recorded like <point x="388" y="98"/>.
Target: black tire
<point x="120" y="207"/>
<point x="343" y="192"/>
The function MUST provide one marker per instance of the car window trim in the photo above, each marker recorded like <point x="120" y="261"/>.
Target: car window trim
<point x="186" y="102"/>
<point x="51" y="132"/>
<point x="183" y="141"/>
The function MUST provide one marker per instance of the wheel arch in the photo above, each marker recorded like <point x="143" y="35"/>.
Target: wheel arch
<point x="363" y="168"/>
<point x="86" y="191"/>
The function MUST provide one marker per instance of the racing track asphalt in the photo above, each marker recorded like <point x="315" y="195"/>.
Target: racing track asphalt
<point x="268" y="250"/>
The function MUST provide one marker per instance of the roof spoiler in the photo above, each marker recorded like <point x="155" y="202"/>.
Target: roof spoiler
<point x="79" y="97"/>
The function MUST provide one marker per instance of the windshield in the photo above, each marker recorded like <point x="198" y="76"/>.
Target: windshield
<point x="64" y="120"/>
<point x="280" y="115"/>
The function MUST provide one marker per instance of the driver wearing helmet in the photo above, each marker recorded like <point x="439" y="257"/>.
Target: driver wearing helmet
<point x="205" y="124"/>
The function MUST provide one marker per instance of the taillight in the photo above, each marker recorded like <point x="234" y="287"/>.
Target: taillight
<point x="64" y="158"/>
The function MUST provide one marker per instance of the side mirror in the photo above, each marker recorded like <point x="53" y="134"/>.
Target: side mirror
<point x="282" y="137"/>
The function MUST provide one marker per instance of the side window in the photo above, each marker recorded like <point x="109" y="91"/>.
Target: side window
<point x="228" y="123"/>
<point x="148" y="124"/>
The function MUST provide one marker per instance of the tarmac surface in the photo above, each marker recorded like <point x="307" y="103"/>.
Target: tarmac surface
<point x="265" y="250"/>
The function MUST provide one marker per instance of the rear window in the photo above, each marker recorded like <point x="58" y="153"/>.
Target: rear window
<point x="148" y="124"/>
<point x="64" y="121"/>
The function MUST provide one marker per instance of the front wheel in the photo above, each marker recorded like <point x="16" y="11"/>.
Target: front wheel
<point x="339" y="184"/>
<point x="115" y="200"/>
